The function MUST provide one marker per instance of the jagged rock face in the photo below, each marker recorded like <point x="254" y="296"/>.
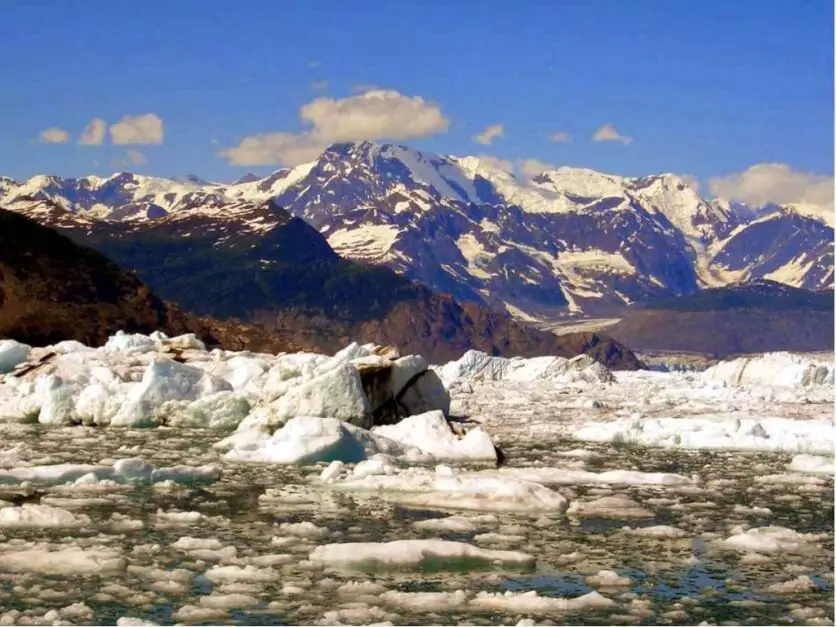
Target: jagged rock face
<point x="786" y="247"/>
<point x="568" y="240"/>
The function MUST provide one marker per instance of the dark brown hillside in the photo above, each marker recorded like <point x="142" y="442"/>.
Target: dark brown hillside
<point x="750" y="318"/>
<point x="52" y="289"/>
<point x="256" y="264"/>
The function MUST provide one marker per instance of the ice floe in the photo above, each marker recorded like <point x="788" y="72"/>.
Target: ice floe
<point x="432" y="554"/>
<point x="478" y="366"/>
<point x="777" y="369"/>
<point x="133" y="471"/>
<point x="729" y="433"/>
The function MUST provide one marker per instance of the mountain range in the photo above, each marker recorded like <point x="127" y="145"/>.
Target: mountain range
<point x="568" y="241"/>
<point x="248" y="276"/>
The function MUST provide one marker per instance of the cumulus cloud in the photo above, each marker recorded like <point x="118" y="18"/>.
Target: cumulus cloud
<point x="491" y="133"/>
<point x="778" y="183"/>
<point x="692" y="181"/>
<point x="319" y="85"/>
<point x="532" y="167"/>
<point x="270" y="148"/>
<point x="137" y="129"/>
<point x="376" y="114"/>
<point x="54" y="136"/>
<point x="608" y="133"/>
<point x="131" y="158"/>
<point x="560" y="138"/>
<point x="94" y="133"/>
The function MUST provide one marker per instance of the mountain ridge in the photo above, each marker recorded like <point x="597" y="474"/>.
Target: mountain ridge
<point x="567" y="241"/>
<point x="257" y="264"/>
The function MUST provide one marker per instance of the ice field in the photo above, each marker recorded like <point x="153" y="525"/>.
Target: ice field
<point x="153" y="481"/>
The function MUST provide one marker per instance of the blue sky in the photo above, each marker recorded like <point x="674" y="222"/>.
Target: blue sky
<point x="705" y="88"/>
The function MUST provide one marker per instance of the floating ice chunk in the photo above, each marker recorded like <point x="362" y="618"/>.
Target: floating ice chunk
<point x="439" y="554"/>
<point x="129" y="621"/>
<point x="229" y="601"/>
<point x="57" y="400"/>
<point x="309" y="440"/>
<point x="187" y="341"/>
<point x="799" y="585"/>
<point x="662" y="532"/>
<point x="773" y="539"/>
<point x="608" y="579"/>
<point x="336" y="394"/>
<point x="617" y="477"/>
<point x="473" y="491"/>
<point x="616" y="506"/>
<point x="71" y="561"/>
<point x="455" y="524"/>
<point x="12" y="354"/>
<point x="375" y="465"/>
<point x="532" y="603"/>
<point x="351" y="352"/>
<point x="478" y="366"/>
<point x="245" y="374"/>
<point x="431" y="433"/>
<point x="165" y="380"/>
<point x="129" y="343"/>
<point x="424" y="601"/>
<point x="32" y="515"/>
<point x="426" y="391"/>
<point x="132" y="470"/>
<point x="812" y="464"/>
<point x="773" y="369"/>
<point x="99" y="402"/>
<point x="221" y="410"/>
<point x="71" y="346"/>
<point x="290" y="370"/>
<point x="304" y="529"/>
<point x="719" y="432"/>
<point x="332" y="471"/>
<point x="187" y="543"/>
<point x="249" y="573"/>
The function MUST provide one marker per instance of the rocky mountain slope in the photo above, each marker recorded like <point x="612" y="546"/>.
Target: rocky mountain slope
<point x="758" y="317"/>
<point x="567" y="241"/>
<point x="257" y="263"/>
<point x="52" y="289"/>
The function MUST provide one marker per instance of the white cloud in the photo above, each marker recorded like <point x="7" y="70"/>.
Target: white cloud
<point x="377" y="114"/>
<point x="94" y="133"/>
<point x="777" y="183"/>
<point x="532" y="167"/>
<point x="319" y="85"/>
<point x="560" y="138"/>
<point x="271" y="148"/>
<point x="491" y="133"/>
<point x="692" y="181"/>
<point x="54" y="136"/>
<point x="138" y="129"/>
<point x="131" y="158"/>
<point x="608" y="133"/>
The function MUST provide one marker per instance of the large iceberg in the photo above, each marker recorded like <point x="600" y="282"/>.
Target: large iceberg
<point x="478" y="366"/>
<point x="137" y="380"/>
<point x="771" y="369"/>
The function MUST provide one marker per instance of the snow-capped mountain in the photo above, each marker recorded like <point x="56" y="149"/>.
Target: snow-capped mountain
<point x="568" y="240"/>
